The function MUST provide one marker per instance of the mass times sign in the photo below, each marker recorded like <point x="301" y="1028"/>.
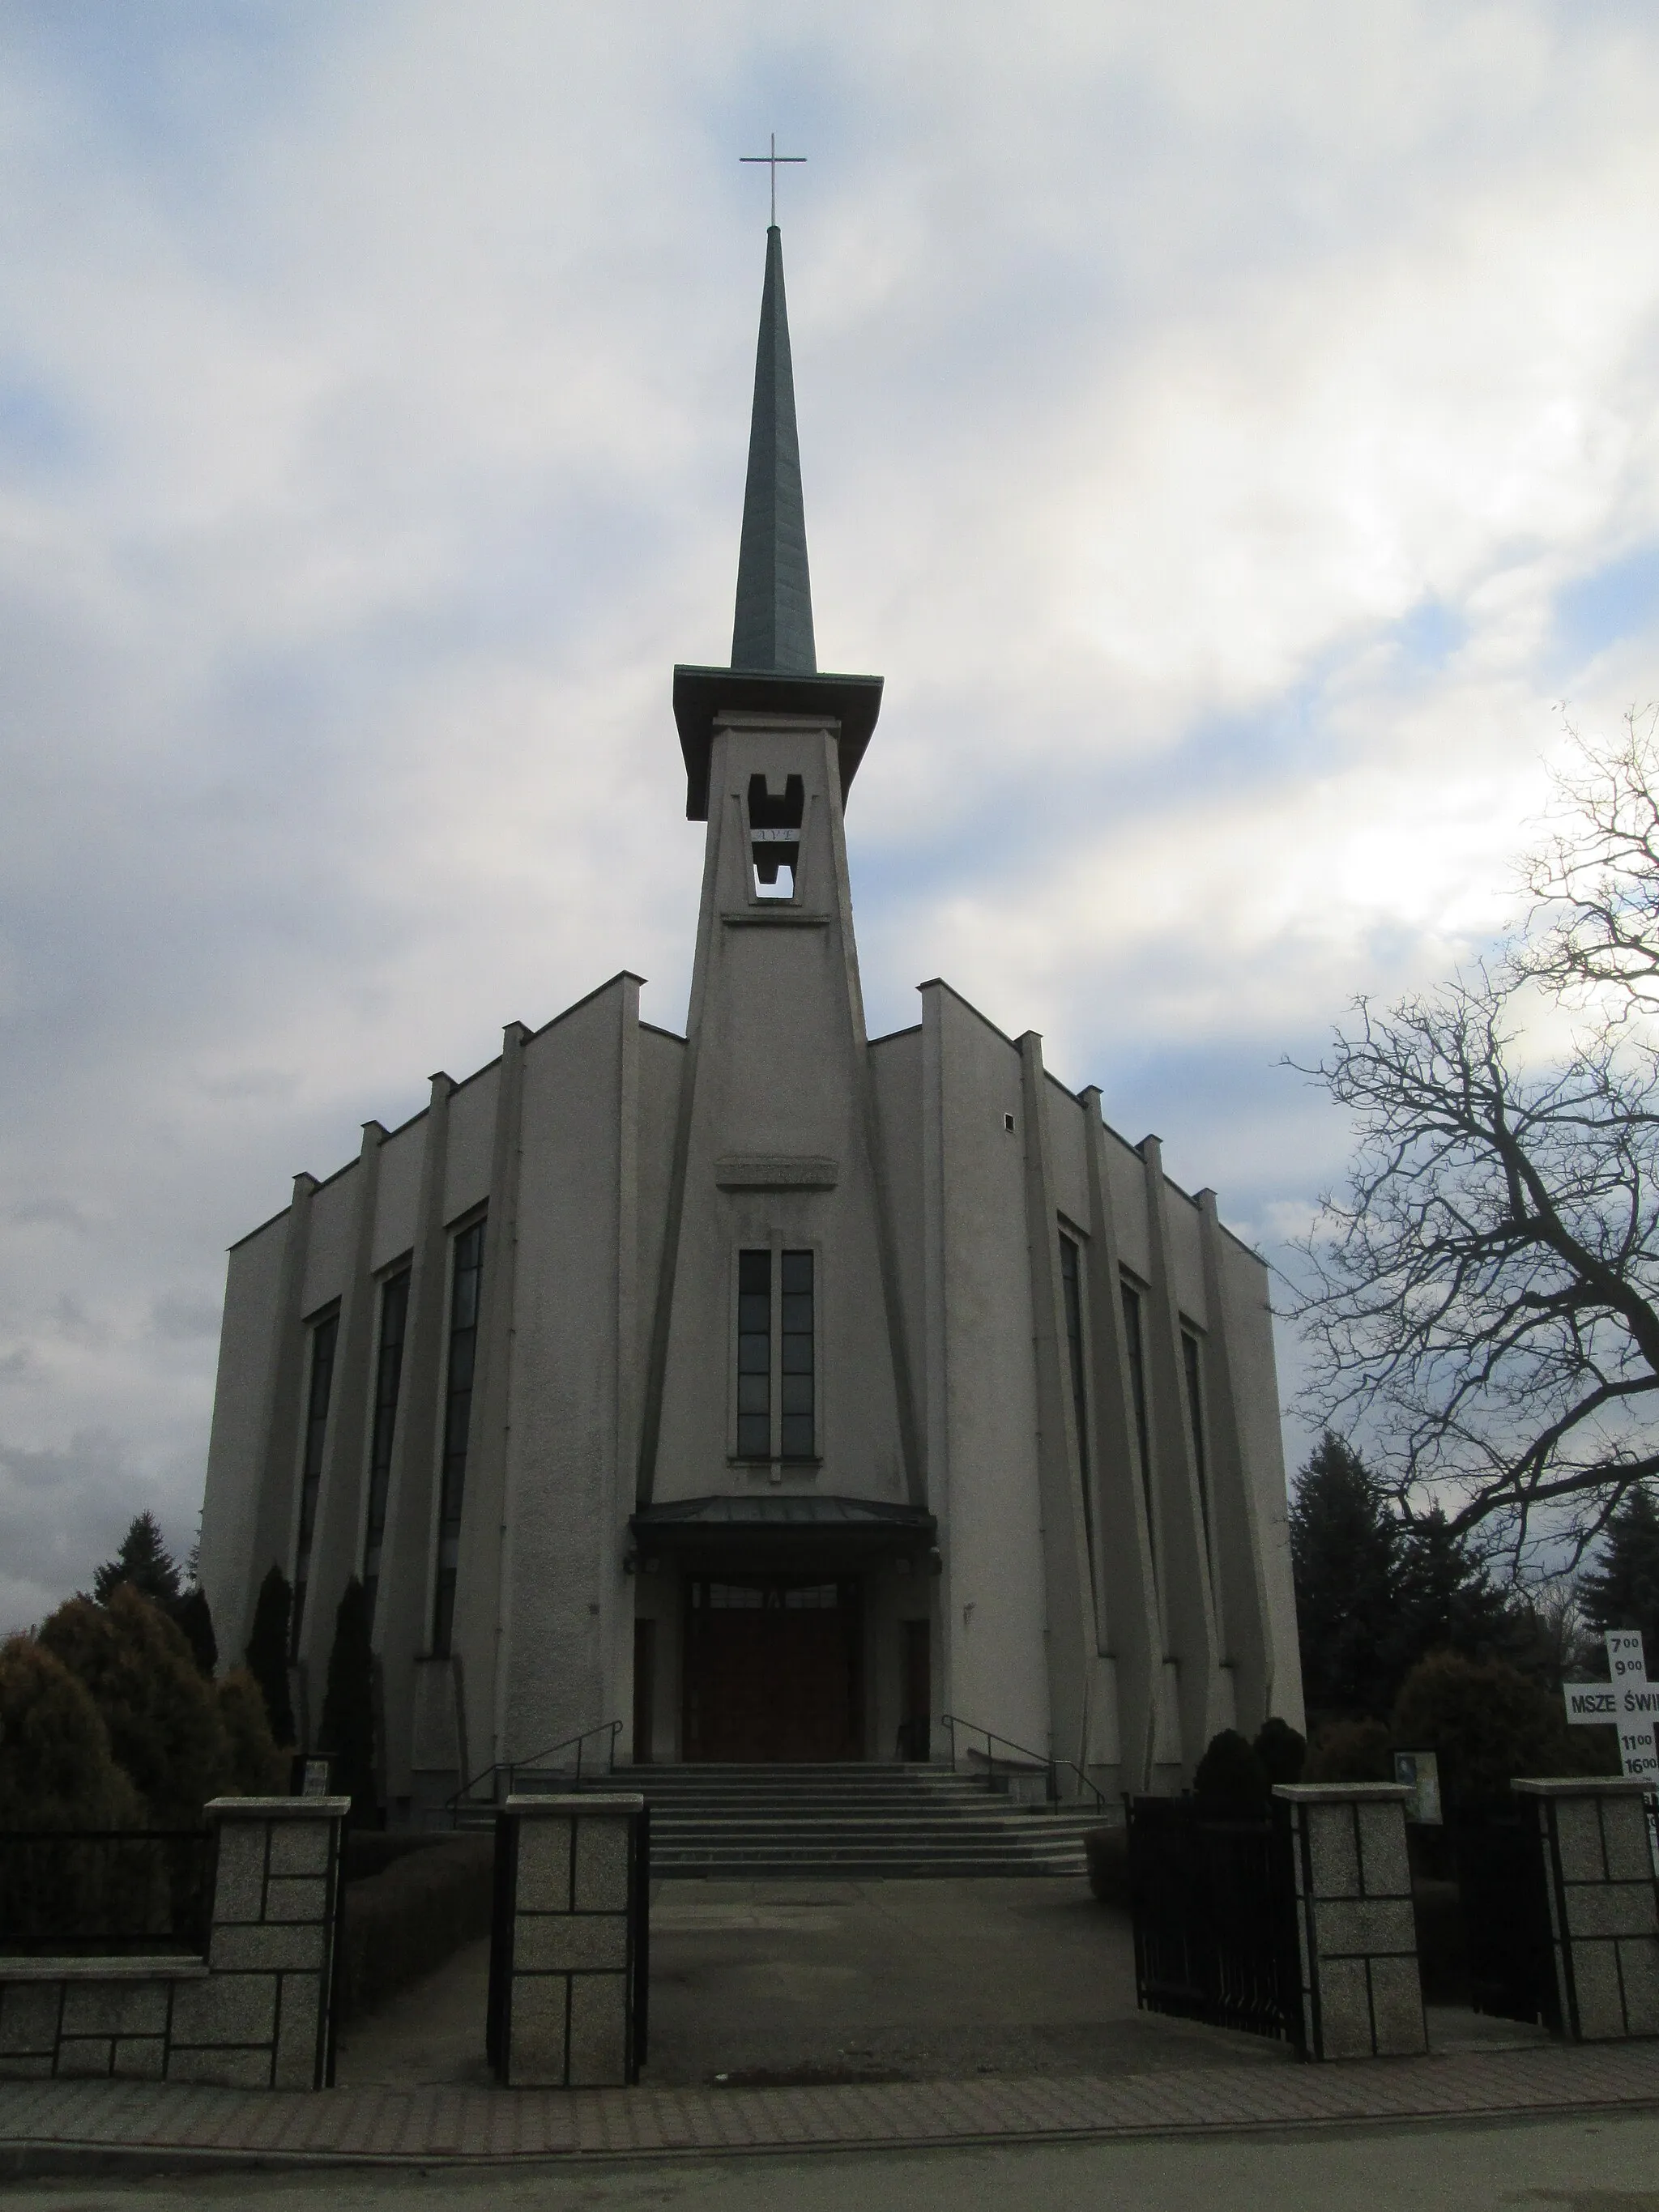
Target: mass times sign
<point x="1627" y="1701"/>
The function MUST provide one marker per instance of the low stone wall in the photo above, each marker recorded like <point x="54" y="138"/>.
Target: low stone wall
<point x="1604" y="1922"/>
<point x="1361" y="1993"/>
<point x="254" y="2013"/>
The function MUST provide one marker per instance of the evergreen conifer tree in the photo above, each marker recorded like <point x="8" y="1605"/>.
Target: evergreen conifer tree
<point x="1345" y="1556"/>
<point x="267" y="1651"/>
<point x="194" y="1622"/>
<point x="143" y="1560"/>
<point x="348" y="1722"/>
<point x="1622" y="1589"/>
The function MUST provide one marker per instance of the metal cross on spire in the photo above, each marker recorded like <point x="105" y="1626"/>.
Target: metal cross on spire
<point x="772" y="159"/>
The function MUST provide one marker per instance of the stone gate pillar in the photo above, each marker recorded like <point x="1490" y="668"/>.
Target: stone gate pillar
<point x="1361" y="1993"/>
<point x="1604" y="1926"/>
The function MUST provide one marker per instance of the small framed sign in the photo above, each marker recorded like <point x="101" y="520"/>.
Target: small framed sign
<point x="1420" y="1772"/>
<point x="310" y="1775"/>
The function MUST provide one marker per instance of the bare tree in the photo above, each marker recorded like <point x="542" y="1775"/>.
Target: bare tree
<point x="1483" y="1299"/>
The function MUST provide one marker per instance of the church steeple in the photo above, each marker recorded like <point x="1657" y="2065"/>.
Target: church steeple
<point x="775" y="669"/>
<point x="773" y="628"/>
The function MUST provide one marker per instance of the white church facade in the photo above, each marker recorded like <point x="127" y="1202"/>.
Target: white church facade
<point x="772" y="1390"/>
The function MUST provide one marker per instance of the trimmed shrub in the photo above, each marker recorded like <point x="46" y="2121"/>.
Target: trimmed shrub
<point x="267" y="1653"/>
<point x="194" y="1622"/>
<point x="403" y="1922"/>
<point x="1281" y="1750"/>
<point x="162" y="1718"/>
<point x="1488" y="1724"/>
<point x="347" y="1729"/>
<point x="1231" y="1777"/>
<point x="257" y="1768"/>
<point x="1108" y="1852"/>
<point x="1350" y="1751"/>
<point x="56" y="1768"/>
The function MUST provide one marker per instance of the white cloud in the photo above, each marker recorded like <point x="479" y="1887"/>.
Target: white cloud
<point x="1206" y="415"/>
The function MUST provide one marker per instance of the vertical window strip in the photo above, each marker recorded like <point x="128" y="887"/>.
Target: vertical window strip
<point x="798" y="1378"/>
<point x="388" y="1376"/>
<point x="1073" y="1288"/>
<point x="466" y="1280"/>
<point x="1189" y="1353"/>
<point x="1136" y="1340"/>
<point x="324" y="1337"/>
<point x="754" y="1355"/>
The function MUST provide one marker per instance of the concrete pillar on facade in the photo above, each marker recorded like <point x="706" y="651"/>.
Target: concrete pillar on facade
<point x="1237" y="1550"/>
<point x="1361" y="1991"/>
<point x="403" y="1607"/>
<point x="479" y="1620"/>
<point x="1069" y="1573"/>
<point x="1130" y="1625"/>
<point x="337" y="1534"/>
<point x="1192" y="1632"/>
<point x="1597" y="1871"/>
<point x="279" y="1474"/>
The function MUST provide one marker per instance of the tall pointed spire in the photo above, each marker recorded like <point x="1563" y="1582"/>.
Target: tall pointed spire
<point x="773" y="628"/>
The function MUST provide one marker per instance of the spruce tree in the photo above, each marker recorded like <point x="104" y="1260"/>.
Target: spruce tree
<point x="1445" y="1601"/>
<point x="1345" y="1557"/>
<point x="1622" y="1589"/>
<point x="267" y="1651"/>
<point x="348" y="1722"/>
<point x="145" y="1561"/>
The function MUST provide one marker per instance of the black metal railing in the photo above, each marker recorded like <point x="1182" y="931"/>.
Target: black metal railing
<point x="1022" y="1760"/>
<point x="1214" y="1917"/>
<point x="1503" y="1887"/>
<point x="490" y="1784"/>
<point x="105" y="1892"/>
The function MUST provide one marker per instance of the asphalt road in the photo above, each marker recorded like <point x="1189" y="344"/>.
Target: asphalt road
<point x="1601" y="2165"/>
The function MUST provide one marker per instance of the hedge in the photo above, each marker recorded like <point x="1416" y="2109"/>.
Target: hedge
<point x="404" y="1921"/>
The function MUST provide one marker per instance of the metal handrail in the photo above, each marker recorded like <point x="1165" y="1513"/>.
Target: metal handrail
<point x="609" y="1729"/>
<point x="1050" y="1765"/>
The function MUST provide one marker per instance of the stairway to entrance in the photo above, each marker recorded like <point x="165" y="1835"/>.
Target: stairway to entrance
<point x="849" y="1822"/>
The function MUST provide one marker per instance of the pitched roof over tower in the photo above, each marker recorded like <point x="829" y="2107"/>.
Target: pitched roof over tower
<point x="774" y="657"/>
<point x="773" y="629"/>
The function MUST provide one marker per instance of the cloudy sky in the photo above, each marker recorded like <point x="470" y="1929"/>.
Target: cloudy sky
<point x="1230" y="430"/>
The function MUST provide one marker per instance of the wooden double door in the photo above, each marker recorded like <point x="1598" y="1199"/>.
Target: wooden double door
<point x="773" y="1667"/>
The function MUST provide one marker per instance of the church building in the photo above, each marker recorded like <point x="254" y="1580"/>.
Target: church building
<point x="774" y="1391"/>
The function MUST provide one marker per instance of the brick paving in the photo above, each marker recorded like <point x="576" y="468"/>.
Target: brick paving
<point x="48" y="2121"/>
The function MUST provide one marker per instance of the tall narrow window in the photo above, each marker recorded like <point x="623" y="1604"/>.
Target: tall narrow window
<point x="754" y="1355"/>
<point x="458" y="1415"/>
<point x="1136" y="1340"/>
<point x="1070" y="1283"/>
<point x="1189" y="1354"/>
<point x="388" y="1374"/>
<point x="797" y="1377"/>
<point x="323" y="1339"/>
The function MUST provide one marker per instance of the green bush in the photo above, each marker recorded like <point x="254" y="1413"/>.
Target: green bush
<point x="56" y="1768"/>
<point x="1488" y="1724"/>
<point x="162" y="1718"/>
<point x="1281" y="1750"/>
<point x="257" y="1768"/>
<point x="347" y="1729"/>
<point x="267" y="1653"/>
<point x="1231" y="1777"/>
<point x="1350" y="1751"/>
<point x="403" y="1922"/>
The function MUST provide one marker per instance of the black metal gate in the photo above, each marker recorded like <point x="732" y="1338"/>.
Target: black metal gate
<point x="1503" y="1885"/>
<point x="1214" y="1917"/>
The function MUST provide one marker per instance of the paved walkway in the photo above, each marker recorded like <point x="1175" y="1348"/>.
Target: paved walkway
<point x="51" y="2123"/>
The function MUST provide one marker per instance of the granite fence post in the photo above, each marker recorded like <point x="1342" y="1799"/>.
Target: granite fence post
<point x="1361" y="1993"/>
<point x="569" y="1936"/>
<point x="1603" y="1918"/>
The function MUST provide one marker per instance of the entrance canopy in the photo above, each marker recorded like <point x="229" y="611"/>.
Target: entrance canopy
<point x="832" y="1530"/>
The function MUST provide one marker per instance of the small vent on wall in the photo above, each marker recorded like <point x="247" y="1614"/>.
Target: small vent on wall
<point x="1008" y="1123"/>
